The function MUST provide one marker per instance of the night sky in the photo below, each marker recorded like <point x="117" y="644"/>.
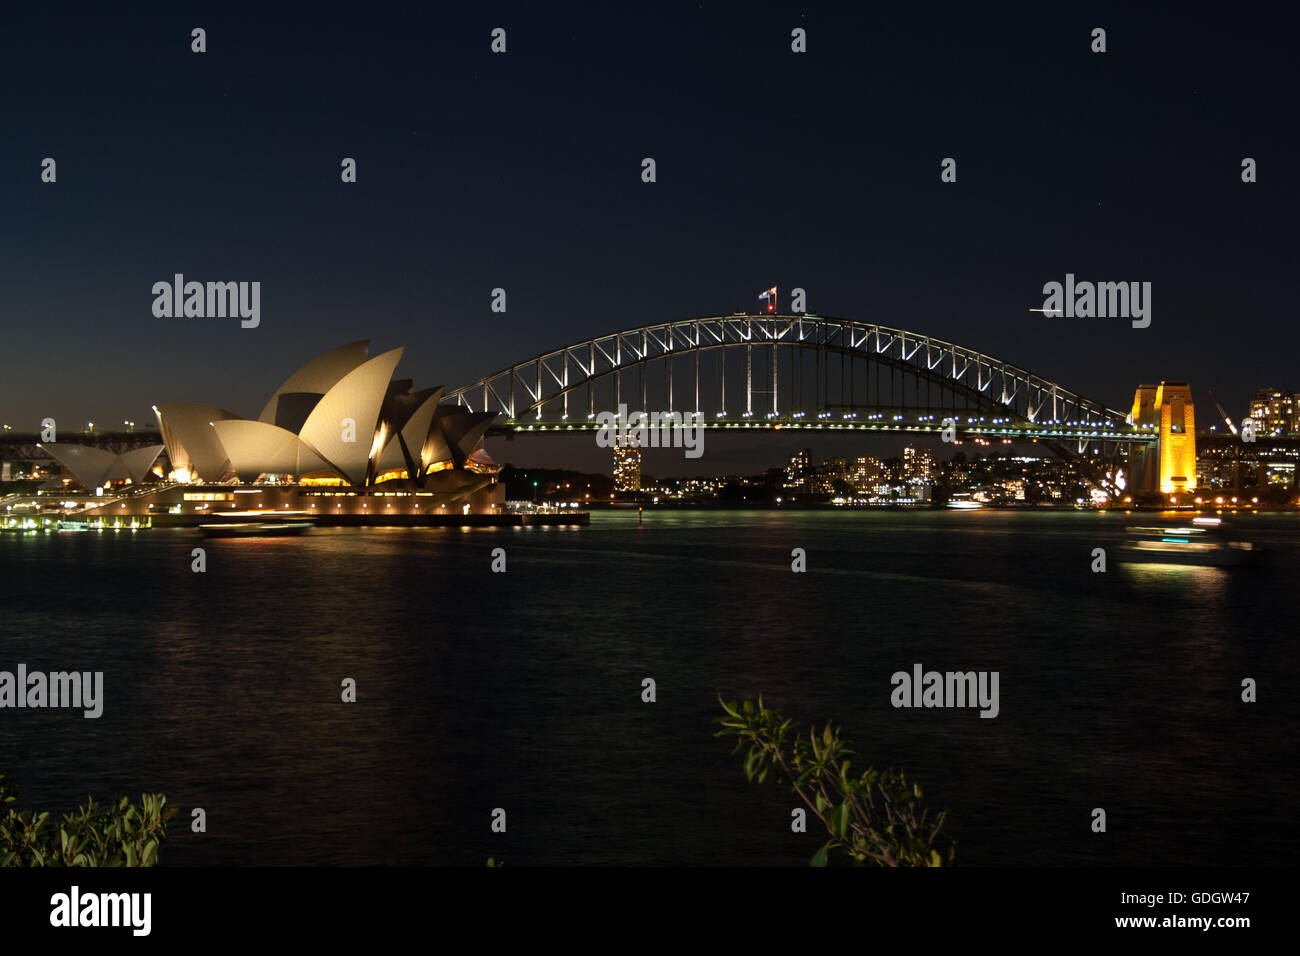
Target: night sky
<point x="522" y="171"/>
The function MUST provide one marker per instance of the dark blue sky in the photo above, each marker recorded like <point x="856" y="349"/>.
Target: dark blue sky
<point x="523" y="171"/>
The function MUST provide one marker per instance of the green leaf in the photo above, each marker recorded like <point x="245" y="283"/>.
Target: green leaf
<point x="819" y="858"/>
<point x="840" y="819"/>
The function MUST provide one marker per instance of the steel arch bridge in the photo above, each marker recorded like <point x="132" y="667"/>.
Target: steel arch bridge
<point x="769" y="371"/>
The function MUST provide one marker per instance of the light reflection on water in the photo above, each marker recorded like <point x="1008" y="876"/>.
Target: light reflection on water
<point x="522" y="690"/>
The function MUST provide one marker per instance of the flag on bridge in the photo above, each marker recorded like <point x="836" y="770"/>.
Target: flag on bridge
<point x="770" y="295"/>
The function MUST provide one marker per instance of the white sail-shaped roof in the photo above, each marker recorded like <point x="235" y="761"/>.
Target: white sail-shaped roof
<point x="256" y="448"/>
<point x="319" y="375"/>
<point x="358" y="398"/>
<point x="436" y="448"/>
<point x="413" y="434"/>
<point x="89" y="465"/>
<point x="140" y="460"/>
<point x="192" y="445"/>
<point x="463" y="430"/>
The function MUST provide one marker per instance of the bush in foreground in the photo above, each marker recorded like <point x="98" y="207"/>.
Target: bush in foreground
<point x="117" y="834"/>
<point x="875" y="818"/>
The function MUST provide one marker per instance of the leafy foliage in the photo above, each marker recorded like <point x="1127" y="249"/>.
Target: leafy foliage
<point x="875" y="817"/>
<point x="117" y="834"/>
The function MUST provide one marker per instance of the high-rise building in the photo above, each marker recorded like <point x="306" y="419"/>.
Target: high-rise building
<point x="1274" y="411"/>
<point x="627" y="465"/>
<point x="865" y="476"/>
<point x="799" y="471"/>
<point x="916" y="471"/>
<point x="831" y="471"/>
<point x="918" y="466"/>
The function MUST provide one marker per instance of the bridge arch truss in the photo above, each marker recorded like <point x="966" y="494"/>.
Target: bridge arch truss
<point x="770" y="360"/>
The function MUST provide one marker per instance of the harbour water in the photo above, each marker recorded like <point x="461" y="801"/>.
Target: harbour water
<point x="523" y="690"/>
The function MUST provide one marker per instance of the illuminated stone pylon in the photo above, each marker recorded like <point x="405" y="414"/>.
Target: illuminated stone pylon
<point x="1168" y="465"/>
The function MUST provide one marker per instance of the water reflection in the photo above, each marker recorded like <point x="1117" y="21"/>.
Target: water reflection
<point x="522" y="690"/>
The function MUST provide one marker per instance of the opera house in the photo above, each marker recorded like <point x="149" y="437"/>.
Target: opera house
<point x="340" y="440"/>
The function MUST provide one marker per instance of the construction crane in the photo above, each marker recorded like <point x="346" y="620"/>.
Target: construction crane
<point x="1231" y="427"/>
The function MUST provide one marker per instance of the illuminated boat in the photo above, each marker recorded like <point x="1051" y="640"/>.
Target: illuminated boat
<point x="1204" y="542"/>
<point x="261" y="523"/>
<point x="256" y="529"/>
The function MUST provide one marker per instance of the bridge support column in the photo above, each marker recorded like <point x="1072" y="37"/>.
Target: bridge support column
<point x="774" y="381"/>
<point x="749" y="379"/>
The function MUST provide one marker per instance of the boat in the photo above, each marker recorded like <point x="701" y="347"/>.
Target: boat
<point x="1205" y="542"/>
<point x="256" y="529"/>
<point x="257" y="523"/>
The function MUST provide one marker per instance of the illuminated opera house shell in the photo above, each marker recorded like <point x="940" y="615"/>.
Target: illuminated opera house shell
<point x="340" y="419"/>
<point x="95" y="467"/>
